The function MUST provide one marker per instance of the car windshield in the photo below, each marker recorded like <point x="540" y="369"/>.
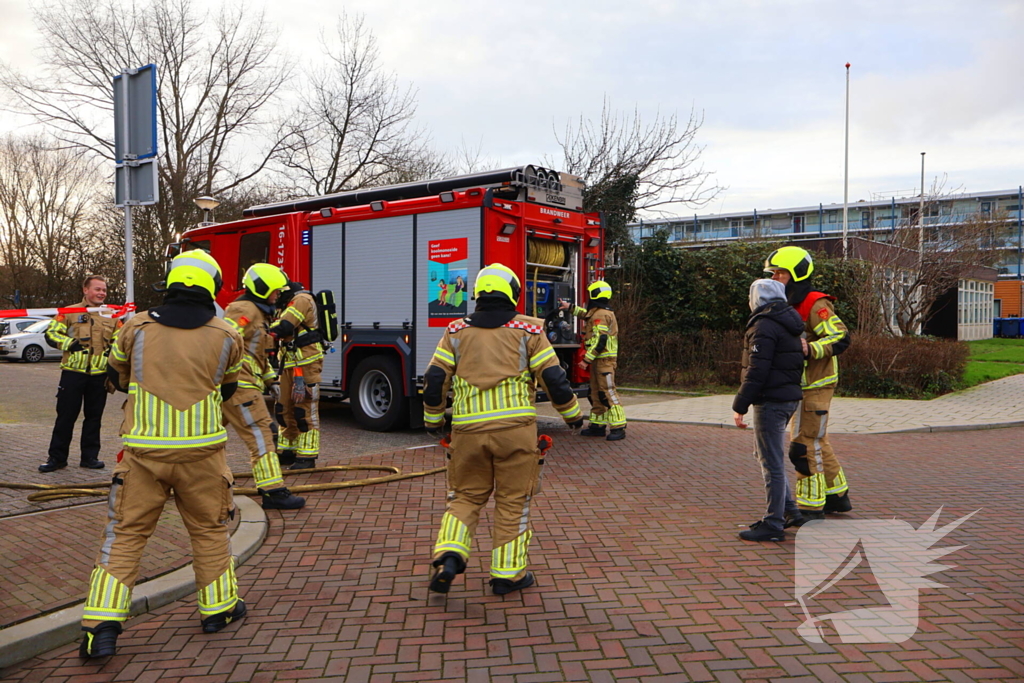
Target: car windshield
<point x="37" y="327"/>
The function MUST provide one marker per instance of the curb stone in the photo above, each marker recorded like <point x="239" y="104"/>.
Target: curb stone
<point x="36" y="636"/>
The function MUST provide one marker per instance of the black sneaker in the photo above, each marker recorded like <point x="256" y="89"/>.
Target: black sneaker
<point x="837" y="503"/>
<point x="281" y="499"/>
<point x="616" y="434"/>
<point x="52" y="465"/>
<point x="593" y="430"/>
<point x="759" y="531"/>
<point x="303" y="464"/>
<point x="216" y="622"/>
<point x="100" y="641"/>
<point x="505" y="586"/>
<point x="286" y="457"/>
<point x="810" y="515"/>
<point x="92" y="464"/>
<point x="794" y="518"/>
<point x="448" y="566"/>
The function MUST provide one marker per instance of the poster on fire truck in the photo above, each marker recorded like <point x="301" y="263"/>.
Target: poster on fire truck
<point x="447" y="280"/>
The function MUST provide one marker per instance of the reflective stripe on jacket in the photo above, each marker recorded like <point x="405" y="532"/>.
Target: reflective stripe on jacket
<point x="94" y="332"/>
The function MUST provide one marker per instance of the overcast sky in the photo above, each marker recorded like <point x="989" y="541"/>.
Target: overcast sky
<point x="937" y="76"/>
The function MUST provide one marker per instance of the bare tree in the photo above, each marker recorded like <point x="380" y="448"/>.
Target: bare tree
<point x="218" y="80"/>
<point x="355" y="127"/>
<point x="629" y="165"/>
<point x="51" y="210"/>
<point x="910" y="279"/>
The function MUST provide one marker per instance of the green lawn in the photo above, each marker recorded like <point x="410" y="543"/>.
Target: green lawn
<point x="992" y="359"/>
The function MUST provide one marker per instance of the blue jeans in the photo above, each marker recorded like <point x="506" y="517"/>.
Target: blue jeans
<point x="770" y="421"/>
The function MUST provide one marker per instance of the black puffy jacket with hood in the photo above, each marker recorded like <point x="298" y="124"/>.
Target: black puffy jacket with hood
<point x="773" y="358"/>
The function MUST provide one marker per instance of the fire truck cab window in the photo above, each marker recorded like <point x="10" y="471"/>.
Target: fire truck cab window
<point x="254" y="247"/>
<point x="202" y="244"/>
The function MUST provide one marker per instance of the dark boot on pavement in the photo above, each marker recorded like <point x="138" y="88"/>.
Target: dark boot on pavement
<point x="303" y="464"/>
<point x="810" y="515"/>
<point x="94" y="464"/>
<point x="794" y="518"/>
<point x="52" y="465"/>
<point x="100" y="641"/>
<point x="759" y="531"/>
<point x="616" y="434"/>
<point x="216" y="622"/>
<point x="505" y="586"/>
<point x="286" y="457"/>
<point x="593" y="430"/>
<point x="281" y="499"/>
<point x="837" y="503"/>
<point x="448" y="566"/>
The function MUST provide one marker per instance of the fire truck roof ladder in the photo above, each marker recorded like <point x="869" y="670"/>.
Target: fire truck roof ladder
<point x="518" y="177"/>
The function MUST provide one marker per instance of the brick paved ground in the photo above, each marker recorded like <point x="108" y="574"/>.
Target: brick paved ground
<point x="641" y="578"/>
<point x="46" y="561"/>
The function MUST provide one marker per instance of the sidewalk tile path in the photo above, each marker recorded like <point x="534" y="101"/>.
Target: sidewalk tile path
<point x="640" y="577"/>
<point x="997" y="403"/>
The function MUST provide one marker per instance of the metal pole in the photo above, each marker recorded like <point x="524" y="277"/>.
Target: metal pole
<point x="129" y="266"/>
<point x="846" y="165"/>
<point x="893" y="224"/>
<point x="920" y="221"/>
<point x="821" y="219"/>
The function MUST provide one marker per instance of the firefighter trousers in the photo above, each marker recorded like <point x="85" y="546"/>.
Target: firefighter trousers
<point x="76" y="391"/>
<point x="247" y="413"/>
<point x="506" y="463"/>
<point x="300" y="421"/>
<point x="202" y="491"/>
<point x="818" y="470"/>
<point x="605" y="408"/>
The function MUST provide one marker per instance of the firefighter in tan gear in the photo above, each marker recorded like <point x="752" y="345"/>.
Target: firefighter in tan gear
<point x="601" y="342"/>
<point x="177" y="363"/>
<point x="246" y="411"/>
<point x="85" y="339"/>
<point x="492" y="360"/>
<point x="821" y="483"/>
<point x="301" y="358"/>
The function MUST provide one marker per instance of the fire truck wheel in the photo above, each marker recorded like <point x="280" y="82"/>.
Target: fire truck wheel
<point x="378" y="402"/>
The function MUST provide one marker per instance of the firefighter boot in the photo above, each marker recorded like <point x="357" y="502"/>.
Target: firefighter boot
<point x="593" y="430"/>
<point x="303" y="464"/>
<point x="52" y="465"/>
<point x="281" y="499"/>
<point x="506" y="586"/>
<point x="100" y="641"/>
<point x="835" y="502"/>
<point x="794" y="518"/>
<point x="94" y="464"/>
<point x="216" y="622"/>
<point x="286" y="457"/>
<point x="448" y="566"/>
<point x="616" y="434"/>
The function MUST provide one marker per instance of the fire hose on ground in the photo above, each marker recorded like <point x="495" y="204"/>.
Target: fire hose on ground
<point x="45" y="493"/>
<point x="49" y="492"/>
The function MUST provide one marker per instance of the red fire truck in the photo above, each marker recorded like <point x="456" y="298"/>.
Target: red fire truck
<point x="401" y="261"/>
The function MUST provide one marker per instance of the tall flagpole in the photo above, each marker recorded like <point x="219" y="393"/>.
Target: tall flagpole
<point x="846" y="167"/>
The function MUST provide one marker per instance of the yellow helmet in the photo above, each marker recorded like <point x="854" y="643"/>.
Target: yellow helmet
<point x="195" y="268"/>
<point x="263" y="279"/>
<point x="793" y="259"/>
<point x="599" y="289"/>
<point x="497" y="278"/>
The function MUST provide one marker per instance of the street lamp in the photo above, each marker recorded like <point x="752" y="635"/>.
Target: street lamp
<point x="207" y="204"/>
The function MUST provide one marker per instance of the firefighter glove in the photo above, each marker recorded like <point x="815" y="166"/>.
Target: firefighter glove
<point x="275" y="392"/>
<point x="75" y="346"/>
<point x="577" y="424"/>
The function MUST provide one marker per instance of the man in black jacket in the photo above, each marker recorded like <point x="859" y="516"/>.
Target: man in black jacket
<point x="773" y="362"/>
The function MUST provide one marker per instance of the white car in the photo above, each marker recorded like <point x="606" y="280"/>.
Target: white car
<point x="29" y="345"/>
<point x="15" y="325"/>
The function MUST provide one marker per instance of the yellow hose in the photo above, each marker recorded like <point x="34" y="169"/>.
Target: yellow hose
<point x="48" y="492"/>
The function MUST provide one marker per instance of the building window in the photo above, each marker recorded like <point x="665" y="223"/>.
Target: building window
<point x="986" y="207"/>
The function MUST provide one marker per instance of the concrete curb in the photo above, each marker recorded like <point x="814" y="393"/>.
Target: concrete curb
<point x="36" y="636"/>
<point x="910" y="430"/>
